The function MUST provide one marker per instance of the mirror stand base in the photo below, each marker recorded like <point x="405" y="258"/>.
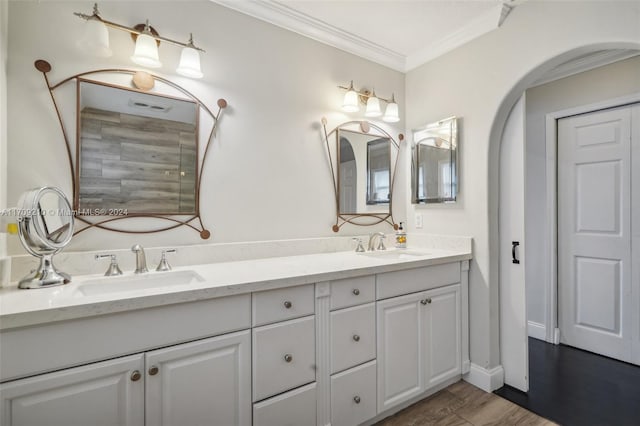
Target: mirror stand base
<point x="45" y="275"/>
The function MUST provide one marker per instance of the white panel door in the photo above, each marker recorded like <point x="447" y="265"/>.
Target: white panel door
<point x="109" y="393"/>
<point x="400" y="350"/>
<point x="635" y="227"/>
<point x="442" y="334"/>
<point x="514" y="345"/>
<point x="207" y="382"/>
<point x="594" y="232"/>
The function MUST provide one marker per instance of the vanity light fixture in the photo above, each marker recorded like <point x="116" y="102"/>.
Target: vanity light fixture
<point x="354" y="97"/>
<point x="147" y="39"/>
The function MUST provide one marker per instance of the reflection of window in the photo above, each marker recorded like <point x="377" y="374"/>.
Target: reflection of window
<point x="444" y="191"/>
<point x="378" y="168"/>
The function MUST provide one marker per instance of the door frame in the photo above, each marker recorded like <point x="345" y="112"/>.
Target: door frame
<point x="552" y="332"/>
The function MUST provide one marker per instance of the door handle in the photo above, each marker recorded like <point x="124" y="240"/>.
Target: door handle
<point x="514" y="259"/>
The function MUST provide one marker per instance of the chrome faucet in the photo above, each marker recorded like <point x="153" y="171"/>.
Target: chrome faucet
<point x="372" y="238"/>
<point x="141" y="260"/>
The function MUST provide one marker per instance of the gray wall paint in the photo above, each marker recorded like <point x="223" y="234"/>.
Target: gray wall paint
<point x="266" y="176"/>
<point x="608" y="82"/>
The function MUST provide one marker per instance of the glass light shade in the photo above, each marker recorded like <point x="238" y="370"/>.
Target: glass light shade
<point x="373" y="107"/>
<point x="146" y="52"/>
<point x="189" y="65"/>
<point x="350" y="103"/>
<point x="391" y="113"/>
<point x="95" y="39"/>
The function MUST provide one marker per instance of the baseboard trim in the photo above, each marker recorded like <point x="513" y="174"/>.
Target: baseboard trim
<point x="486" y="379"/>
<point x="537" y="330"/>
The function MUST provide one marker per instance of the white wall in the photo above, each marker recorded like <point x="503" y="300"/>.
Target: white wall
<point x="480" y="82"/>
<point x="608" y="82"/>
<point x="4" y="19"/>
<point x="267" y="175"/>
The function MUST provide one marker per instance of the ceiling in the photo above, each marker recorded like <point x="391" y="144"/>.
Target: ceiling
<point x="400" y="34"/>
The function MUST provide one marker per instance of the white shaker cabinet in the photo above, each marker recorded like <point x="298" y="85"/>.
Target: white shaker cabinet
<point x="418" y="343"/>
<point x="109" y="393"/>
<point x="207" y="382"/>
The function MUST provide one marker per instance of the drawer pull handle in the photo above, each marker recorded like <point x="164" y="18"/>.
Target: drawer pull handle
<point x="356" y="399"/>
<point x="153" y="370"/>
<point x="356" y="292"/>
<point x="426" y="301"/>
<point x="356" y="338"/>
<point x="135" y="376"/>
<point x="288" y="357"/>
<point x="288" y="304"/>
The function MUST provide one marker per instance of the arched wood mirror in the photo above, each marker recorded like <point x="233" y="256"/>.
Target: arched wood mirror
<point x="136" y="145"/>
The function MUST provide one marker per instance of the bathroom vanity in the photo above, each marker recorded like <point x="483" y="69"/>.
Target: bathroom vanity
<point x="335" y="338"/>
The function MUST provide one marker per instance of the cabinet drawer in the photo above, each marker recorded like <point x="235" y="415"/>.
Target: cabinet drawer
<point x="282" y="304"/>
<point x="390" y="284"/>
<point x="353" y="336"/>
<point x="353" y="291"/>
<point x="353" y="395"/>
<point x="294" y="408"/>
<point x="283" y="356"/>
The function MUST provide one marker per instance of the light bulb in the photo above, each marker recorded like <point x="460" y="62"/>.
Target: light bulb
<point x="373" y="106"/>
<point x="350" y="102"/>
<point x="391" y="112"/>
<point x="189" y="65"/>
<point x="146" y="51"/>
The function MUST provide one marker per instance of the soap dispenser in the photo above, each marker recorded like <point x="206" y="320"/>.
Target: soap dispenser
<point x="401" y="237"/>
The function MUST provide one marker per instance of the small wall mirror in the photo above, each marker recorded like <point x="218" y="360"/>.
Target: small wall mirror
<point x="138" y="152"/>
<point x="435" y="163"/>
<point x="363" y="173"/>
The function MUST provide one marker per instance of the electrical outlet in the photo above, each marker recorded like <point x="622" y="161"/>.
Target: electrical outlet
<point x="418" y="220"/>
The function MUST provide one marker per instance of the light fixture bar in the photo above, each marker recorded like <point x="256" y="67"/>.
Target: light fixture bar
<point x="131" y="30"/>
<point x="365" y="94"/>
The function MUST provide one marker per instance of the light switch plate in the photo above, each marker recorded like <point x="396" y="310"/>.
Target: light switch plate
<point x="418" y="220"/>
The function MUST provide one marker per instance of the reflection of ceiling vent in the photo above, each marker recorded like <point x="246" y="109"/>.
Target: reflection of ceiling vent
<point x="149" y="106"/>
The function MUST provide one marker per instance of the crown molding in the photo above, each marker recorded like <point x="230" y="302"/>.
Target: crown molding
<point x="285" y="17"/>
<point x="481" y="25"/>
<point x="585" y="63"/>
<point x="288" y="18"/>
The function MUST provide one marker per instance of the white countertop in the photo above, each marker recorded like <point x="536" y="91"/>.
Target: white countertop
<point x="20" y="308"/>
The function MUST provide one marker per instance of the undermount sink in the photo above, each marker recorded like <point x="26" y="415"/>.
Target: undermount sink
<point x="138" y="282"/>
<point x="401" y="254"/>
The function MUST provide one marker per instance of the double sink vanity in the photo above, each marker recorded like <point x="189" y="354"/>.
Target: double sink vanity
<point x="339" y="338"/>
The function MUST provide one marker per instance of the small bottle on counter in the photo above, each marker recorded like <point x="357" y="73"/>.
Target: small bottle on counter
<point x="401" y="237"/>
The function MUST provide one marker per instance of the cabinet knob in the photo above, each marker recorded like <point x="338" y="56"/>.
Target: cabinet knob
<point x="288" y="357"/>
<point x="356" y="291"/>
<point x="153" y="370"/>
<point x="426" y="301"/>
<point x="356" y="338"/>
<point x="135" y="376"/>
<point x="288" y="304"/>
<point x="356" y="399"/>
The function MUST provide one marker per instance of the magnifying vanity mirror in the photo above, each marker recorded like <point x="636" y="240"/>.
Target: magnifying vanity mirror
<point x="45" y="226"/>
<point x="139" y="149"/>
<point x="435" y="163"/>
<point x="363" y="173"/>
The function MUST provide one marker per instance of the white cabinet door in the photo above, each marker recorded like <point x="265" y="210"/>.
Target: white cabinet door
<point x="442" y="334"/>
<point x="400" y="349"/>
<point x="207" y="382"/>
<point x="109" y="393"/>
<point x="353" y="395"/>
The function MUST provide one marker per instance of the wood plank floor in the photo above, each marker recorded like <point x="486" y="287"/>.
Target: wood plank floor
<point x="462" y="404"/>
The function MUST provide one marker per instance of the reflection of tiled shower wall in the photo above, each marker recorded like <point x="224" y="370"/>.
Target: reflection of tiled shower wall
<point x="142" y="164"/>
